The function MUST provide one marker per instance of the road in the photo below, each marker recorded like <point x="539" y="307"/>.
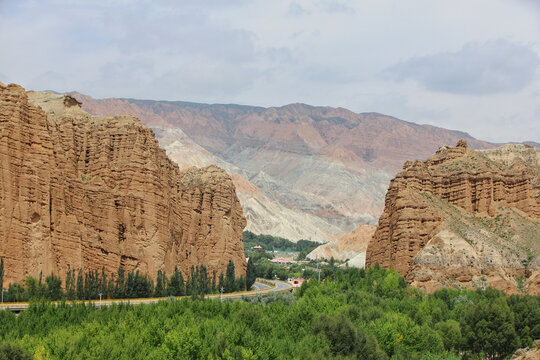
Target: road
<point x="262" y="287"/>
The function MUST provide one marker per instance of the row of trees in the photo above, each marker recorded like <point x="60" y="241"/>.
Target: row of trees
<point x="269" y="242"/>
<point x="80" y="285"/>
<point x="353" y="314"/>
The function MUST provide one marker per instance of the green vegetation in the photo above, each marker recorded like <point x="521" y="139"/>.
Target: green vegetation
<point x="269" y="242"/>
<point x="130" y="285"/>
<point x="1" y="273"/>
<point x="353" y="314"/>
<point x="263" y="268"/>
<point x="11" y="352"/>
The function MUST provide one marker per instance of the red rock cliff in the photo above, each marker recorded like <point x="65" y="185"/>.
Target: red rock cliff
<point x="489" y="198"/>
<point x="92" y="191"/>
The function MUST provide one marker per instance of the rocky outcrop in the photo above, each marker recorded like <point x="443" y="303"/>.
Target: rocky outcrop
<point x="465" y="218"/>
<point x="351" y="247"/>
<point x="90" y="191"/>
<point x="528" y="353"/>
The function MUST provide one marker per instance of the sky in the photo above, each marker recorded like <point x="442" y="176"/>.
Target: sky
<point x="469" y="65"/>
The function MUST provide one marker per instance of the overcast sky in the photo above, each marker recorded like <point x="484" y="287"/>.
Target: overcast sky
<point x="471" y="65"/>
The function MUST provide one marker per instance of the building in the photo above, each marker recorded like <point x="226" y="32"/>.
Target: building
<point x="296" y="283"/>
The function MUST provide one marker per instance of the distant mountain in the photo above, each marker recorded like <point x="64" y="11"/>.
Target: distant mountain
<point x="301" y="171"/>
<point x="532" y="143"/>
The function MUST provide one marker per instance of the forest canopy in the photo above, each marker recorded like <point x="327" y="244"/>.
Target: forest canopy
<point x="353" y="314"/>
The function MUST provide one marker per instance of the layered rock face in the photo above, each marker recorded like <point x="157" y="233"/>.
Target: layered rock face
<point x="90" y="191"/>
<point x="325" y="169"/>
<point x="465" y="218"/>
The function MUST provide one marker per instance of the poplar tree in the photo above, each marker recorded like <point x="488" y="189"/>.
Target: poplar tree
<point x="80" y="285"/>
<point x="250" y="274"/>
<point x="1" y="273"/>
<point x="230" y="285"/>
<point x="176" y="284"/>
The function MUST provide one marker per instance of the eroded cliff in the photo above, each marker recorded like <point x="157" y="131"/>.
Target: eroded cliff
<point x="92" y="191"/>
<point x="464" y="218"/>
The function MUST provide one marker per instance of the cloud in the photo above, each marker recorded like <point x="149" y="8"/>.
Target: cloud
<point x="492" y="67"/>
<point x="335" y="7"/>
<point x="322" y="52"/>
<point x="295" y="9"/>
<point x="327" y="74"/>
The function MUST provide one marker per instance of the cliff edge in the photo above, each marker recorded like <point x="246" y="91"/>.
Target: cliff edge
<point x="89" y="191"/>
<point x="464" y="218"/>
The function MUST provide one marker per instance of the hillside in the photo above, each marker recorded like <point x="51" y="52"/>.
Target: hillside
<point x="464" y="218"/>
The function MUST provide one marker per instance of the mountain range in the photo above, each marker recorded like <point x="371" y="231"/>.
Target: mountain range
<point x="301" y="172"/>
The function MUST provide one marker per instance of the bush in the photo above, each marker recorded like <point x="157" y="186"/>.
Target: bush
<point x="12" y="352"/>
<point x="345" y="339"/>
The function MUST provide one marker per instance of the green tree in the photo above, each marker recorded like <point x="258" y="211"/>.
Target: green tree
<point x="221" y="282"/>
<point x="526" y="310"/>
<point x="250" y="274"/>
<point x="54" y="287"/>
<point x="121" y="284"/>
<point x="161" y="284"/>
<point x="80" y="286"/>
<point x="1" y="272"/>
<point x="391" y="286"/>
<point x="31" y="287"/>
<point x="70" y="284"/>
<point x="103" y="288"/>
<point x="488" y="327"/>
<point x="111" y="287"/>
<point x="345" y="339"/>
<point x="395" y="329"/>
<point x="230" y="278"/>
<point x="176" y="284"/>
<point x="450" y="333"/>
<point x="12" y="352"/>
<point x="214" y="283"/>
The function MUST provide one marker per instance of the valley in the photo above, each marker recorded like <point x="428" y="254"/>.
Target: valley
<point x="301" y="172"/>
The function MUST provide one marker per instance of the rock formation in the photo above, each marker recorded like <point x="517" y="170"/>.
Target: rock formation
<point x="351" y="247"/>
<point x="528" y="353"/>
<point x="464" y="218"/>
<point x="92" y="191"/>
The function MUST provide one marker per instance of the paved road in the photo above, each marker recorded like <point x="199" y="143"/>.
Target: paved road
<point x="260" y="288"/>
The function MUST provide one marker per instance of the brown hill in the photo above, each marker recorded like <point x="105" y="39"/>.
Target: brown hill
<point x="326" y="168"/>
<point x="464" y="218"/>
<point x="92" y="191"/>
